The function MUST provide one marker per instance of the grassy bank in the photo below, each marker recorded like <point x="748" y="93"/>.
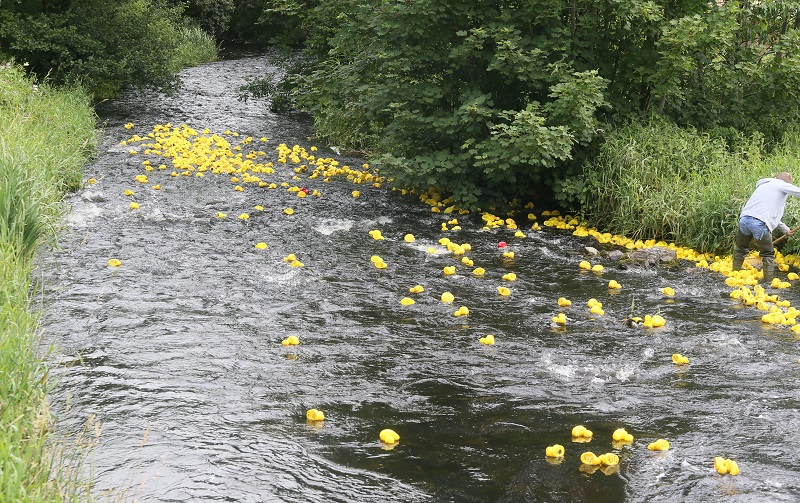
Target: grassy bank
<point x="194" y="47"/>
<point x="46" y="136"/>
<point x="653" y="179"/>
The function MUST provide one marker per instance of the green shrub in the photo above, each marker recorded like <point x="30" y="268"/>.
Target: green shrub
<point x="655" y="179"/>
<point x="195" y="46"/>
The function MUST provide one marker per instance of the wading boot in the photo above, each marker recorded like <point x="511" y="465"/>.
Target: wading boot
<point x="768" y="267"/>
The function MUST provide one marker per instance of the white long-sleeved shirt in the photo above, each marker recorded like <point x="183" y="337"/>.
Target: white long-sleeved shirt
<point x="768" y="202"/>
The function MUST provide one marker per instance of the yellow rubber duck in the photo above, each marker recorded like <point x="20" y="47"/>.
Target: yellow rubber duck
<point x="608" y="459"/>
<point x="288" y="211"/>
<point x="290" y="258"/>
<point x="726" y="466"/>
<point x="620" y="435"/>
<point x="593" y="302"/>
<point x="356" y="194"/>
<point x="613" y="285"/>
<point x="564" y="302"/>
<point x="407" y="301"/>
<point x="416" y="289"/>
<point x="658" y="321"/>
<point x="508" y="254"/>
<point x="449" y="270"/>
<point x="597" y="309"/>
<point x="129" y="192"/>
<point x="581" y="432"/>
<point x="376" y="235"/>
<point x="669" y="292"/>
<point x="590" y="458"/>
<point x="389" y="436"/>
<point x="584" y="264"/>
<point x="113" y="262"/>
<point x="261" y="246"/>
<point x="292" y="340"/>
<point x="462" y="311"/>
<point x="409" y="238"/>
<point x="141" y="178"/>
<point x="561" y="319"/>
<point x="467" y="261"/>
<point x="244" y="216"/>
<point x="381" y="265"/>
<point x="296" y="263"/>
<point x="659" y="445"/>
<point x="315" y="415"/>
<point x="488" y="340"/>
<point x="134" y="206"/>
<point x="679" y="359"/>
<point x="554" y="451"/>
<point x="791" y="276"/>
<point x="597" y="268"/>
<point x="505" y="292"/>
<point x="447" y="297"/>
<point x="510" y="277"/>
<point x="479" y="271"/>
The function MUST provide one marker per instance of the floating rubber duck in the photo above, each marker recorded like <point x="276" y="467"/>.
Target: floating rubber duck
<point x="614" y="285"/>
<point x="389" y="436"/>
<point x="134" y="205"/>
<point x="792" y="276"/>
<point x="659" y="445"/>
<point x="462" y="311"/>
<point x="584" y="264"/>
<point x="479" y="271"/>
<point x="726" y="466"/>
<point x="416" y="289"/>
<point x="580" y="431"/>
<point x="407" y="301"/>
<point x="505" y="292"/>
<point x="244" y="216"/>
<point x="288" y="211"/>
<point x="128" y="192"/>
<point x="597" y="309"/>
<point x="658" y="321"/>
<point x="679" y="359"/>
<point x="290" y="258"/>
<point x="488" y="340"/>
<point x="114" y="262"/>
<point x="447" y="297"/>
<point x="141" y="178"/>
<point x="409" y="238"/>
<point x="509" y="254"/>
<point x="449" y="270"/>
<point x="669" y="292"/>
<point x="292" y="340"/>
<point x="261" y="246"/>
<point x="560" y="319"/>
<point x="590" y="458"/>
<point x="376" y="235"/>
<point x="597" y="268"/>
<point x="356" y="194"/>
<point x="467" y="261"/>
<point x="593" y="302"/>
<point x="510" y="277"/>
<point x="564" y="302"/>
<point x="608" y="459"/>
<point x="380" y="264"/>
<point x="554" y="451"/>
<point x="620" y="435"/>
<point x="315" y="415"/>
<point x="634" y="321"/>
<point x="296" y="263"/>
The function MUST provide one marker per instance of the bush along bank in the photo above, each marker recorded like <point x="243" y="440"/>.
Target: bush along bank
<point x="46" y="136"/>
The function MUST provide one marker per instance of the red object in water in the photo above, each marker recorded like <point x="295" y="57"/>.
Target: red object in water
<point x="304" y="190"/>
<point x="501" y="244"/>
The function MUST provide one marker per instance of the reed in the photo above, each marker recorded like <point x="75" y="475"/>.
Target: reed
<point x="653" y="179"/>
<point x="47" y="135"/>
<point x="195" y="46"/>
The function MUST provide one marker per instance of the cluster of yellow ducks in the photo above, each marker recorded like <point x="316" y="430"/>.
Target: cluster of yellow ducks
<point x="185" y="152"/>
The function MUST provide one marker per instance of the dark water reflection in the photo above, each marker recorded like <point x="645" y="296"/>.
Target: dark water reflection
<point x="178" y="351"/>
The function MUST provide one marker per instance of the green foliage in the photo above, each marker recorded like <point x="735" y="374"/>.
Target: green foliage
<point x="195" y="46"/>
<point x="500" y="98"/>
<point x="46" y="135"/>
<point x="101" y="45"/>
<point x="653" y="179"/>
<point x="212" y="16"/>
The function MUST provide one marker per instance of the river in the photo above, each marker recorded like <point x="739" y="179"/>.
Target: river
<point x="178" y="351"/>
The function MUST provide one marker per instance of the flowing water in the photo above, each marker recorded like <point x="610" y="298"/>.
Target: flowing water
<point x="178" y="351"/>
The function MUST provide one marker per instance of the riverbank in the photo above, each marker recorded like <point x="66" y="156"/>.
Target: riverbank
<point x="47" y="136"/>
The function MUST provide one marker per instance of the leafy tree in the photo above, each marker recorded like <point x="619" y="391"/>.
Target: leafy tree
<point x="102" y="45"/>
<point x="489" y="99"/>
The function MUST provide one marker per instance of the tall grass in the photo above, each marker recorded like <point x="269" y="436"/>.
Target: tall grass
<point x="46" y="136"/>
<point x="655" y="179"/>
<point x="194" y="47"/>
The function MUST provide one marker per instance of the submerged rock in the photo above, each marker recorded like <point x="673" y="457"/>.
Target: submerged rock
<point x="653" y="255"/>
